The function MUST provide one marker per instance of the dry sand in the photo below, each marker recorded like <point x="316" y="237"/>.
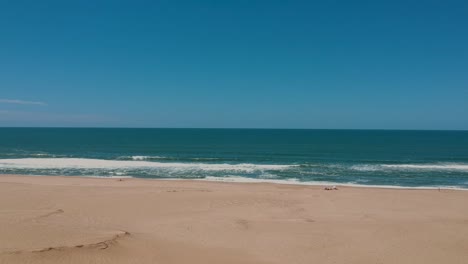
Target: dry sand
<point x="91" y="220"/>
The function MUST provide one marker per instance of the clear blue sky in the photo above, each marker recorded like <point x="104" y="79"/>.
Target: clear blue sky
<point x="249" y="64"/>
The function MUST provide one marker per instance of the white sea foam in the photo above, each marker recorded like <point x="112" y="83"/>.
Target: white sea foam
<point x="79" y="163"/>
<point x="139" y="157"/>
<point x="427" y="167"/>
<point x="144" y="157"/>
<point x="366" y="167"/>
<point x="294" y="181"/>
<point x="441" y="166"/>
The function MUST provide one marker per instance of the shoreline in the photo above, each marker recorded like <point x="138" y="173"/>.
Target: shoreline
<point x="75" y="219"/>
<point x="246" y="180"/>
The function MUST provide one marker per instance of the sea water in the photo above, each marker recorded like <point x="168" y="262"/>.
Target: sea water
<point x="354" y="157"/>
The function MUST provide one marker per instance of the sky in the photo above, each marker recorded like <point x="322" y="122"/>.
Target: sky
<point x="235" y="64"/>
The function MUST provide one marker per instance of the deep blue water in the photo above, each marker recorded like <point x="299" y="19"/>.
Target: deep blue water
<point x="364" y="157"/>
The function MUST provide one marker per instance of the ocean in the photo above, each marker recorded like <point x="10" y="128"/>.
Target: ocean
<point x="387" y="158"/>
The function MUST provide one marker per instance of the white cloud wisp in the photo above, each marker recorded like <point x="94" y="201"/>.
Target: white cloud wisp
<point x="21" y="102"/>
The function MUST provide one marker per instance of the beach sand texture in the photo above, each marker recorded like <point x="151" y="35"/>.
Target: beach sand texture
<point x="99" y="220"/>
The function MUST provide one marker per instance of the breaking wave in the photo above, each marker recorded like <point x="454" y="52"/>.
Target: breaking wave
<point x="348" y="173"/>
<point x="82" y="163"/>
<point x="413" y="167"/>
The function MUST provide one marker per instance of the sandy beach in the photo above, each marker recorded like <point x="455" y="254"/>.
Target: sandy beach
<point x="99" y="220"/>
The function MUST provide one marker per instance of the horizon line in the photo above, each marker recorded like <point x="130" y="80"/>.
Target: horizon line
<point x="231" y="128"/>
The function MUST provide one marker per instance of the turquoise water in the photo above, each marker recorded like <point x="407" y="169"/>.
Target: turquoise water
<point x="360" y="157"/>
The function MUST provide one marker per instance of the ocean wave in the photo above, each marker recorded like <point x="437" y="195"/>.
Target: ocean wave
<point x="137" y="157"/>
<point x="165" y="158"/>
<point x="24" y="154"/>
<point x="452" y="166"/>
<point x="82" y="163"/>
<point x="413" y="167"/>
<point x="146" y="157"/>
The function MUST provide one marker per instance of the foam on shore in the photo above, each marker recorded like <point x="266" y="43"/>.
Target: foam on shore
<point x="294" y="181"/>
